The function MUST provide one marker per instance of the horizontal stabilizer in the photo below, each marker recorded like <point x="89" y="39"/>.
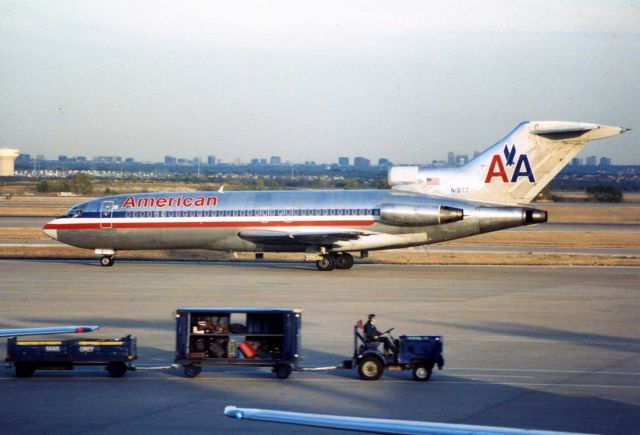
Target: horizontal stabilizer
<point x="551" y="131"/>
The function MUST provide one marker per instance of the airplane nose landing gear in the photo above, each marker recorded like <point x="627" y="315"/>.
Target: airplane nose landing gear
<point x="106" y="261"/>
<point x="107" y="256"/>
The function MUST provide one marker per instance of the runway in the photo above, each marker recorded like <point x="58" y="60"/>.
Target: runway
<point x="553" y="348"/>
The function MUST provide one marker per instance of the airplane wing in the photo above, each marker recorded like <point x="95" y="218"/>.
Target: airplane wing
<point x="43" y="331"/>
<point x="373" y="425"/>
<point x="301" y="236"/>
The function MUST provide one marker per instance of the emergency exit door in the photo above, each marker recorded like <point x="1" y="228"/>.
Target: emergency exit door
<point x="106" y="214"/>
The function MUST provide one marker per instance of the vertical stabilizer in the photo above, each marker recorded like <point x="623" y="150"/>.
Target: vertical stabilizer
<point x="514" y="170"/>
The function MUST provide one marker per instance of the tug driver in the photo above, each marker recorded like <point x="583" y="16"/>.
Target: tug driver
<point x="372" y="334"/>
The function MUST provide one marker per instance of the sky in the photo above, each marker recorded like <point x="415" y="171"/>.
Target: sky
<point x="312" y="80"/>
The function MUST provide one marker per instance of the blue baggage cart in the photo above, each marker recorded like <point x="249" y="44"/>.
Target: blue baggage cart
<point x="27" y="356"/>
<point x="236" y="336"/>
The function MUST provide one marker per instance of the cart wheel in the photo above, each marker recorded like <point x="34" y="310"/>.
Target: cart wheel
<point x="282" y="371"/>
<point x="421" y="373"/>
<point x="117" y="369"/>
<point x="24" y="370"/>
<point x="370" y="368"/>
<point x="192" y="370"/>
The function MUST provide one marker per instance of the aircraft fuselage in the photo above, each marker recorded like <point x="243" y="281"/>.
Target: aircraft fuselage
<point x="215" y="221"/>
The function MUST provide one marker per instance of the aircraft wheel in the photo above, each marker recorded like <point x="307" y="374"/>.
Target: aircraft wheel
<point x="24" y="370"/>
<point x="327" y="263"/>
<point x="107" y="261"/>
<point x="282" y="371"/>
<point x="192" y="370"/>
<point x="421" y="373"/>
<point x="344" y="261"/>
<point x="117" y="369"/>
<point x="370" y="368"/>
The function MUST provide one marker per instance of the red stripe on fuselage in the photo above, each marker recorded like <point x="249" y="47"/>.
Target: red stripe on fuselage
<point x="207" y="224"/>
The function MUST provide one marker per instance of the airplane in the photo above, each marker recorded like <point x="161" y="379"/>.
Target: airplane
<point x="375" y="425"/>
<point x="424" y="205"/>
<point x="44" y="331"/>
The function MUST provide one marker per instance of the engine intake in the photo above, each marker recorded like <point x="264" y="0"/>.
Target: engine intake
<point x="419" y="215"/>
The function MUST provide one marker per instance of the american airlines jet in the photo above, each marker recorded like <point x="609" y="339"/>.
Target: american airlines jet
<point x="424" y="206"/>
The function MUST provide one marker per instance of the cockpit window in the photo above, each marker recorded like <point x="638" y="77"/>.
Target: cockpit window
<point x="73" y="212"/>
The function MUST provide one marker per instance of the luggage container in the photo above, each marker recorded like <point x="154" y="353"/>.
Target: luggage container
<point x="217" y="336"/>
<point x="27" y="356"/>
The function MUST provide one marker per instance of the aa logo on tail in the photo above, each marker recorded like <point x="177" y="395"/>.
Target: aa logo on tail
<point x="497" y="166"/>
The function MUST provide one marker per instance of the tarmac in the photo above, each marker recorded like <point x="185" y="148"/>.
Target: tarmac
<point x="551" y="348"/>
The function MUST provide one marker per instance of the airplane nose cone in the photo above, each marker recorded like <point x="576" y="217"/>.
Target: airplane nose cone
<point x="50" y="232"/>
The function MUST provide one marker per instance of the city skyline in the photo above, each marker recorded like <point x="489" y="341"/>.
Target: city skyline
<point x="312" y="80"/>
<point x="452" y="159"/>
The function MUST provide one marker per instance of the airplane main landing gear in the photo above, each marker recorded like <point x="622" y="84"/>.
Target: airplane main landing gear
<point x="335" y="261"/>
<point x="344" y="261"/>
<point x="106" y="261"/>
<point x="326" y="263"/>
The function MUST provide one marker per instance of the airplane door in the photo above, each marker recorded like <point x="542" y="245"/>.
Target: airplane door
<point x="106" y="214"/>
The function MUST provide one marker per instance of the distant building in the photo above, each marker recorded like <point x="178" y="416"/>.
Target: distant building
<point x="461" y="159"/>
<point x="591" y="161"/>
<point x="576" y="161"/>
<point x="605" y="161"/>
<point x="451" y="158"/>
<point x="384" y="162"/>
<point x="197" y="161"/>
<point x="263" y="161"/>
<point x="343" y="161"/>
<point x="255" y="162"/>
<point x="81" y="159"/>
<point x="127" y="160"/>
<point x="24" y="159"/>
<point x="107" y="159"/>
<point x="8" y="157"/>
<point x="276" y="160"/>
<point x="361" y="162"/>
<point x="63" y="158"/>
<point x="170" y="160"/>
<point x="211" y="160"/>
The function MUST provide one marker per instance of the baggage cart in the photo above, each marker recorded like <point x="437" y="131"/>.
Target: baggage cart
<point x="229" y="336"/>
<point x="27" y="356"/>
